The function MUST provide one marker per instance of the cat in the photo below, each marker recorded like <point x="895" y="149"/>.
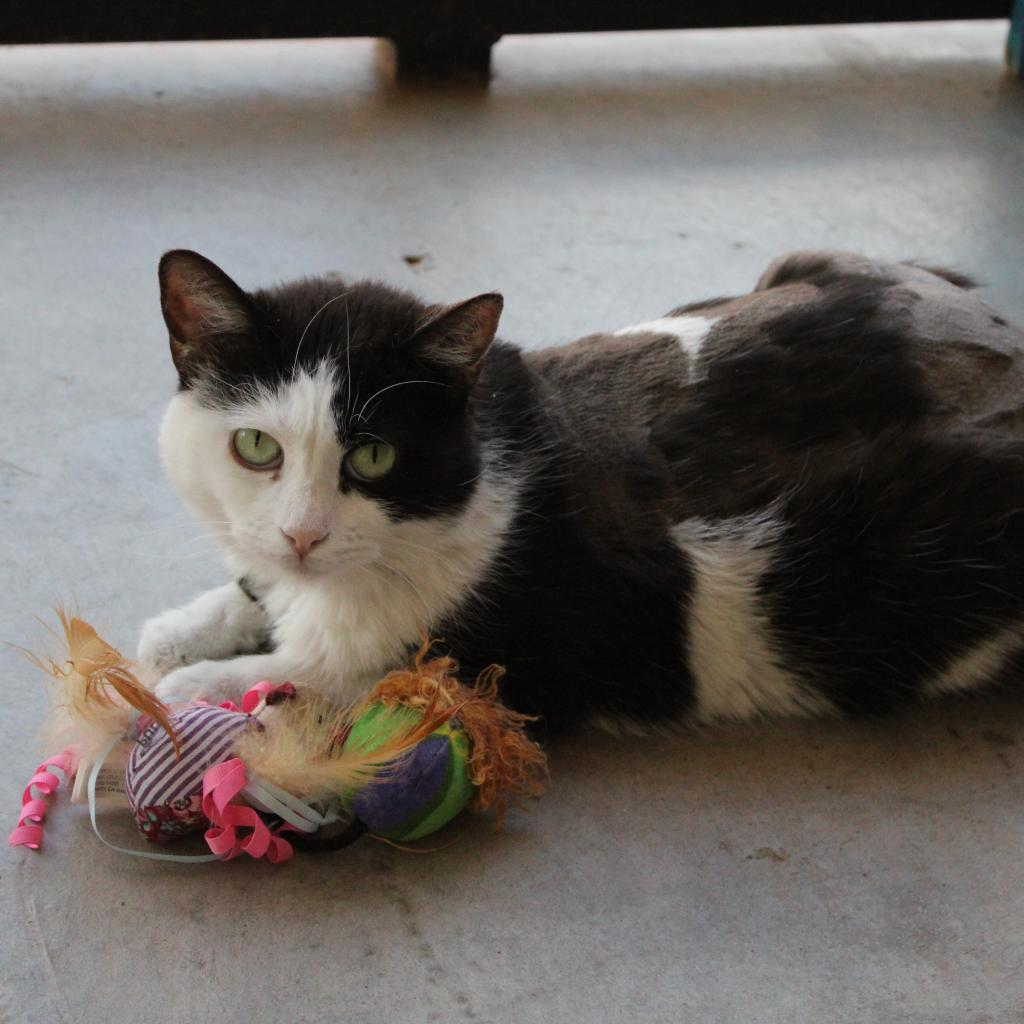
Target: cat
<point x="806" y="500"/>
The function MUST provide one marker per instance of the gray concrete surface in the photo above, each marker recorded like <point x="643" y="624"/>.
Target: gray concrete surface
<point x="783" y="873"/>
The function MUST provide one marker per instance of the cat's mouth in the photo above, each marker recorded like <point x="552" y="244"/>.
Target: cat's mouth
<point x="324" y="563"/>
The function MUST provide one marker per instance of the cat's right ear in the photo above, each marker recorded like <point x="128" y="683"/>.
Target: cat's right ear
<point x="201" y="304"/>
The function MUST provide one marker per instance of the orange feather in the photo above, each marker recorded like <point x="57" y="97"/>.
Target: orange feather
<point x="96" y="677"/>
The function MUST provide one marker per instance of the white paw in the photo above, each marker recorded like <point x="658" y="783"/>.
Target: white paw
<point x="211" y="681"/>
<point x="166" y="643"/>
<point x="219" y="624"/>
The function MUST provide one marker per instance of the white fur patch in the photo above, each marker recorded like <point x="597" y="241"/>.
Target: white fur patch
<point x="689" y="331"/>
<point x="247" y="510"/>
<point x="221" y="623"/>
<point x="979" y="665"/>
<point x="736" y="668"/>
<point x="344" y="632"/>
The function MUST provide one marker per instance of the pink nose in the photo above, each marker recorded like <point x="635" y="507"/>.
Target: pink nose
<point x="303" y="541"/>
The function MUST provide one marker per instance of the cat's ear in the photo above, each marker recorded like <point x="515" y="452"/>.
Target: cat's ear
<point x="457" y="337"/>
<point x="200" y="304"/>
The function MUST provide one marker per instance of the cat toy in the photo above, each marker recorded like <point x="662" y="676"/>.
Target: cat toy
<point x="285" y="769"/>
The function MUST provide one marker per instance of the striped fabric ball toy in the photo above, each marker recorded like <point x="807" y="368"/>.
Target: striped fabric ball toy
<point x="164" y="787"/>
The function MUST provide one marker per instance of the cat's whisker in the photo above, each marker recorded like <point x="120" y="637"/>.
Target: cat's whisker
<point x="349" y="418"/>
<point x="365" y="434"/>
<point x="196" y="549"/>
<point x="208" y="545"/>
<point x="401" y="575"/>
<point x="405" y="542"/>
<point x="305" y="331"/>
<point x="206" y="535"/>
<point x="165" y="537"/>
<point x="359" y="415"/>
<point x="348" y="362"/>
<point x="168" y="534"/>
<point x="172" y="559"/>
<point x="195" y="528"/>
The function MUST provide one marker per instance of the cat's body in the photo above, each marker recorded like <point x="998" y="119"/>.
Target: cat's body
<point x="807" y="500"/>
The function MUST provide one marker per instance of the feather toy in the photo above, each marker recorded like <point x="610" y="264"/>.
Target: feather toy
<point x="96" y="692"/>
<point x="287" y="767"/>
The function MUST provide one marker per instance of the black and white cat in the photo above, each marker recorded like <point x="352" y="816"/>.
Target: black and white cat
<point x="805" y="500"/>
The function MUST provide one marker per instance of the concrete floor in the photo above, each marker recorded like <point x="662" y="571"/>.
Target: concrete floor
<point x="790" y="872"/>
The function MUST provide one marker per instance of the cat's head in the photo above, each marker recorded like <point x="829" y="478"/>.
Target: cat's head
<point x="314" y="418"/>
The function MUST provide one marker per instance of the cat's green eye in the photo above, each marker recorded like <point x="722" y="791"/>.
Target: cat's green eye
<point x="256" y="448"/>
<point x="371" y="461"/>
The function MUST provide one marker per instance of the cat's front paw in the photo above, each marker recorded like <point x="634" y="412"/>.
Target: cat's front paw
<point x="165" y="644"/>
<point x="219" y="624"/>
<point x="205" y="680"/>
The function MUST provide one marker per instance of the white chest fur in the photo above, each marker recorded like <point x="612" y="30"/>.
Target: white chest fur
<point x="343" y="632"/>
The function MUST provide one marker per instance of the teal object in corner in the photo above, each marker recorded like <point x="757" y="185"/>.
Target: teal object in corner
<point x="1015" y="44"/>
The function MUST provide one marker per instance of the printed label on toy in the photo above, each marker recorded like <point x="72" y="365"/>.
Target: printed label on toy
<point x="109" y="784"/>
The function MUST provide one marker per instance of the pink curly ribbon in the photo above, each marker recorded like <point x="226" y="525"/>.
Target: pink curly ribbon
<point x="253" y="696"/>
<point x="221" y="784"/>
<point x="34" y="806"/>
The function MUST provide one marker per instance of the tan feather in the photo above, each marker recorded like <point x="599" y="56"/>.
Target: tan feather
<point x="97" y="689"/>
<point x="301" y="749"/>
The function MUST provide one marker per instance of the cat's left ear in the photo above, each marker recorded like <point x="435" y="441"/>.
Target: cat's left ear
<point x="457" y="337"/>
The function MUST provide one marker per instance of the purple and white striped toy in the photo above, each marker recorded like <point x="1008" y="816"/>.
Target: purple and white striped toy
<point x="165" y="789"/>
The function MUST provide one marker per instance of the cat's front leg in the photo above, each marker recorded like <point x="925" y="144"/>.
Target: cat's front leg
<point x="216" y="681"/>
<point x="221" y="623"/>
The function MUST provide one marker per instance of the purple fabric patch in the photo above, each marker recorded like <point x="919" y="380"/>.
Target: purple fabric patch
<point x="397" y="795"/>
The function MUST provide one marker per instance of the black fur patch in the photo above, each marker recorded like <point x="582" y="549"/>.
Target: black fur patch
<point x="830" y="374"/>
<point x="701" y="306"/>
<point x="818" y="268"/>
<point x="583" y="629"/>
<point x="956" y="277"/>
<point x="893" y="565"/>
<point x="586" y="621"/>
